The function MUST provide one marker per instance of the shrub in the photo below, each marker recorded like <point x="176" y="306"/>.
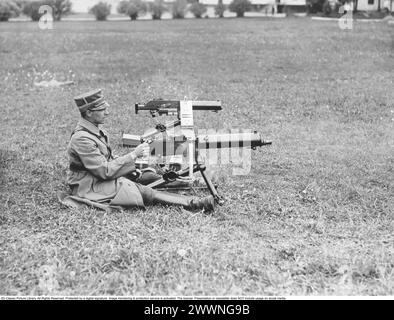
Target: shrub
<point x="326" y="8"/>
<point x="240" y="7"/>
<point x="157" y="8"/>
<point x="31" y="9"/>
<point x="219" y="9"/>
<point x="314" y="6"/>
<point x="132" y="8"/>
<point x="59" y="7"/>
<point x="179" y="9"/>
<point x="8" y="9"/>
<point x="101" y="11"/>
<point x="197" y="9"/>
<point x="331" y="9"/>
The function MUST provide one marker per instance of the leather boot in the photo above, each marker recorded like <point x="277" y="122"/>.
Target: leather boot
<point x="206" y="203"/>
<point x="189" y="203"/>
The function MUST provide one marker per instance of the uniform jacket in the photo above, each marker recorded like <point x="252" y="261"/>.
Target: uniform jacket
<point x="95" y="174"/>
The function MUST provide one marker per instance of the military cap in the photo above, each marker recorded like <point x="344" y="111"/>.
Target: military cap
<point x="92" y="100"/>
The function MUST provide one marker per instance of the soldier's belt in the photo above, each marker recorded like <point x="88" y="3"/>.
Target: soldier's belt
<point x="76" y="167"/>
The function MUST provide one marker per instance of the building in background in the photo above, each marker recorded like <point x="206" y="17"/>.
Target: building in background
<point x="374" y="5"/>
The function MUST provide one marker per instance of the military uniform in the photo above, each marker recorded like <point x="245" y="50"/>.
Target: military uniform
<point x="95" y="174"/>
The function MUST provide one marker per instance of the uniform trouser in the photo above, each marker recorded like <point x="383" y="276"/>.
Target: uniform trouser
<point x="151" y="197"/>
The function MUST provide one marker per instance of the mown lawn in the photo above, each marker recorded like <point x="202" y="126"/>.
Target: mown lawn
<point x="313" y="217"/>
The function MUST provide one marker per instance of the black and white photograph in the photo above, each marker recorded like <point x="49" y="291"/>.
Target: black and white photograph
<point x="207" y="150"/>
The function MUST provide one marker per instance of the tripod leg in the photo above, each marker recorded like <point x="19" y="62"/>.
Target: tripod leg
<point x="185" y="172"/>
<point x="219" y="199"/>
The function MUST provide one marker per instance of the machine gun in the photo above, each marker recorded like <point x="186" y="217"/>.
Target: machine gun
<point x="168" y="140"/>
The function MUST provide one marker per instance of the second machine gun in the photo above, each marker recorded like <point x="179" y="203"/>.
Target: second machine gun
<point x="168" y="140"/>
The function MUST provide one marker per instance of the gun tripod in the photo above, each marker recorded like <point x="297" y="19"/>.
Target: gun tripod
<point x="172" y="176"/>
<point x="163" y="144"/>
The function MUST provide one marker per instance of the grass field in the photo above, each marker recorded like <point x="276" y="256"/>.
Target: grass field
<point x="313" y="217"/>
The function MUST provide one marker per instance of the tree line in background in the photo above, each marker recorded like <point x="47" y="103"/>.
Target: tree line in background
<point x="13" y="8"/>
<point x="135" y="8"/>
<point x="132" y="8"/>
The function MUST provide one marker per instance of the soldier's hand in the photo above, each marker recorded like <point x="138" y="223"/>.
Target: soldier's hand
<point x="142" y="150"/>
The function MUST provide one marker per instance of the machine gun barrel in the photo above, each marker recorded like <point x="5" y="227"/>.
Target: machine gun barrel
<point x="178" y="144"/>
<point x="231" y="140"/>
<point x="173" y="106"/>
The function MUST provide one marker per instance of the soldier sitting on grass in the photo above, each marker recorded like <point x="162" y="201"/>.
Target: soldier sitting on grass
<point x="98" y="178"/>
